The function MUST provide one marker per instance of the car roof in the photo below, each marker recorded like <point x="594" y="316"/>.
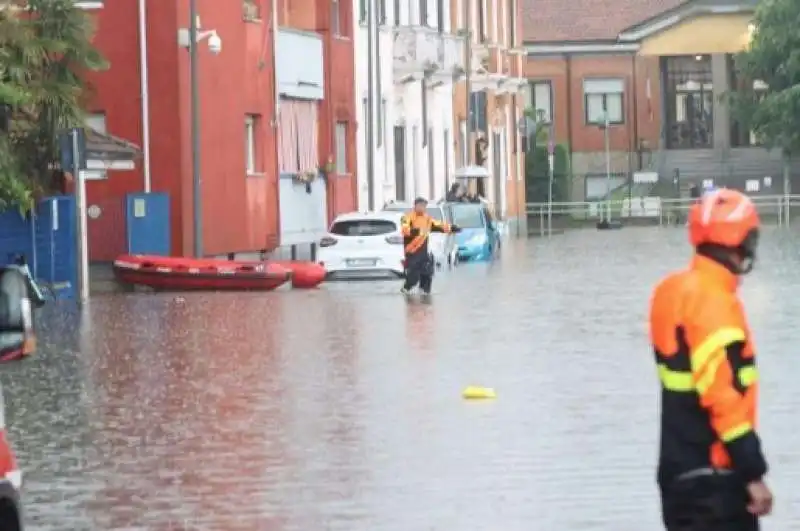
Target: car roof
<point x="386" y="215"/>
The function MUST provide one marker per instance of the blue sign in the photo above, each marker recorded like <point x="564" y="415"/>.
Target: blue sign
<point x="67" y="148"/>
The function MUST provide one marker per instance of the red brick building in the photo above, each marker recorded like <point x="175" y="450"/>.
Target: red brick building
<point x="239" y="130"/>
<point x="658" y="68"/>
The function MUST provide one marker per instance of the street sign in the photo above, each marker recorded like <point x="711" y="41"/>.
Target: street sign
<point x="69" y="149"/>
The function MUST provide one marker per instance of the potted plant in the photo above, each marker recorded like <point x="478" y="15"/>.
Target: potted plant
<point x="306" y="177"/>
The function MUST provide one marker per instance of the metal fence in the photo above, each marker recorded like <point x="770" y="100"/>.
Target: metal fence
<point x="774" y="209"/>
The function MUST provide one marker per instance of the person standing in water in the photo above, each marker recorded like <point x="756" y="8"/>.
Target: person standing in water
<point x="416" y="227"/>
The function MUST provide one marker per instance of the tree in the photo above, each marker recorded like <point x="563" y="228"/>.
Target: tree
<point x="44" y="52"/>
<point x="537" y="166"/>
<point x="773" y="58"/>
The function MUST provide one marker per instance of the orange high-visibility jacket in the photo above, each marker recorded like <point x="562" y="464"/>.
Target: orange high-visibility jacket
<point x="706" y="364"/>
<point x="416" y="228"/>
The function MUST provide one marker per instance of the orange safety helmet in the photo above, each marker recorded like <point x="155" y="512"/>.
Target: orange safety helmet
<point x="725" y="218"/>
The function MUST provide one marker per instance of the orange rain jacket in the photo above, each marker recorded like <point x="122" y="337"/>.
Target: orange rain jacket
<point x="706" y="365"/>
<point x="416" y="228"/>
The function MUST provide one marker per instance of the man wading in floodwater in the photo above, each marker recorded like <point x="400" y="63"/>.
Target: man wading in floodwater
<point x="711" y="468"/>
<point x="417" y="226"/>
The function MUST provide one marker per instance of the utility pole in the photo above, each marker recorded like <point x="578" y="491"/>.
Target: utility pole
<point x="370" y="105"/>
<point x="195" y="111"/>
<point x="467" y="77"/>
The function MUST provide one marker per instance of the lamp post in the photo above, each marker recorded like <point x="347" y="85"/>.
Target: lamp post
<point x="189" y="38"/>
<point x="608" y="167"/>
<point x="551" y="147"/>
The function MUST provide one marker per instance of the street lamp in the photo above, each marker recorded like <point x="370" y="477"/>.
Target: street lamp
<point x="189" y="38"/>
<point x="604" y="125"/>
<point x="540" y="114"/>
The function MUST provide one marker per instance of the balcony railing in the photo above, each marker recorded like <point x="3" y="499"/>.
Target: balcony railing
<point x="420" y="51"/>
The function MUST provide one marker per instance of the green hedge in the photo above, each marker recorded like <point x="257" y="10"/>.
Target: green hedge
<point x="537" y="174"/>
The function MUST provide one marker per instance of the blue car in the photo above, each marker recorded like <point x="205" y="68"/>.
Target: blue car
<point x="479" y="239"/>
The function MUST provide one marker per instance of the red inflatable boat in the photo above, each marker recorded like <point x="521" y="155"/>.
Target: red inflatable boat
<point x="304" y="274"/>
<point x="183" y="274"/>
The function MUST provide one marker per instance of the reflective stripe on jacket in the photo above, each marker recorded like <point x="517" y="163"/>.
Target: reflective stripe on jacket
<point x="416" y="228"/>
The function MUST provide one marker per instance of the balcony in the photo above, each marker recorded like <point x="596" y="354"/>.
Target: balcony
<point x="421" y="51"/>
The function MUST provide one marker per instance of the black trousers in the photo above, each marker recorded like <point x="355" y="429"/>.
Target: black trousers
<point x="419" y="270"/>
<point x="711" y="502"/>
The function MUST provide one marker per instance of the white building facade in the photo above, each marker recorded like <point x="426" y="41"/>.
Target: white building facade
<point x="416" y="61"/>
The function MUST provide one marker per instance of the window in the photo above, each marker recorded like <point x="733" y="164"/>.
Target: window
<point x="396" y="12"/>
<point x="381" y="6"/>
<point x="512" y="24"/>
<point x="689" y="98"/>
<point x="462" y="143"/>
<point x="423" y="12"/>
<point x="96" y="121"/>
<point x="602" y="98"/>
<point x="341" y="147"/>
<point x="362" y="11"/>
<point x="440" y="16"/>
<point x="741" y="134"/>
<point x="250" y="10"/>
<point x="363" y="227"/>
<point x="483" y="22"/>
<point x="251" y="144"/>
<point x="541" y="100"/>
<point x="336" y="21"/>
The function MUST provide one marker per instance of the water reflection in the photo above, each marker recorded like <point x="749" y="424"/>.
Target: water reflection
<point x="340" y="408"/>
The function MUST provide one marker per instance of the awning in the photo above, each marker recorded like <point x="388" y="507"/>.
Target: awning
<point x="108" y="152"/>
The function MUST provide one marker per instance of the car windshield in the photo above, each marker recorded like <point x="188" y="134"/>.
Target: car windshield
<point x="468" y="216"/>
<point x="435" y="213"/>
<point x="363" y="227"/>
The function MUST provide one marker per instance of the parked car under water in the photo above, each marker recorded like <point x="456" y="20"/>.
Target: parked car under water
<point x="479" y="239"/>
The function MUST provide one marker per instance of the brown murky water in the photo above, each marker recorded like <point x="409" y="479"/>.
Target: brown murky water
<point x="340" y="409"/>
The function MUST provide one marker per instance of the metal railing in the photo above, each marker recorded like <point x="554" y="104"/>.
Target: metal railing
<point x="645" y="210"/>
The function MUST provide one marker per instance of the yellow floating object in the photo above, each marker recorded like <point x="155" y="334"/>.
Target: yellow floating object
<point x="478" y="393"/>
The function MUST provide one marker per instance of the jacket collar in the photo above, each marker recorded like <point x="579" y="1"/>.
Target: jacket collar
<point x="715" y="272"/>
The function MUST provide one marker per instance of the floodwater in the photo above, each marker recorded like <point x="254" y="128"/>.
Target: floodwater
<point x="341" y="408"/>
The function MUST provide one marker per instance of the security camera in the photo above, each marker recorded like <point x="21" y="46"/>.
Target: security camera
<point x="215" y="44"/>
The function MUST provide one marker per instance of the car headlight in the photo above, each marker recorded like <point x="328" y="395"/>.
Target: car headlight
<point x="478" y="239"/>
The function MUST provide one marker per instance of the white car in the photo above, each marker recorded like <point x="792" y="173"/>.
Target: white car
<point x="363" y="245"/>
<point x="441" y="246"/>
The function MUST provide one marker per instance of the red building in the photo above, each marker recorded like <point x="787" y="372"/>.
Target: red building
<point x="238" y="121"/>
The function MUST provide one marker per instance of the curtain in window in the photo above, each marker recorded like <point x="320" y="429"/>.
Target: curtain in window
<point x="287" y="139"/>
<point x="298" y="137"/>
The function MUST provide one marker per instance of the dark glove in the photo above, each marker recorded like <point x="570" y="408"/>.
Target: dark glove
<point x="414" y="232"/>
<point x="455" y="228"/>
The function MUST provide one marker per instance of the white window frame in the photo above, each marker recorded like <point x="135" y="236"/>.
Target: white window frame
<point x="340" y="145"/>
<point x="251" y="144"/>
<point x="99" y="122"/>
<point x="602" y="90"/>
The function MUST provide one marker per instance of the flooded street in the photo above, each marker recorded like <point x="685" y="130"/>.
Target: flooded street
<point x="341" y="408"/>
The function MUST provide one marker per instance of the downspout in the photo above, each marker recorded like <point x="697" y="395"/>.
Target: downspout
<point x="277" y="94"/>
<point x="568" y="59"/>
<point x="144" y="80"/>
<point x="635" y="127"/>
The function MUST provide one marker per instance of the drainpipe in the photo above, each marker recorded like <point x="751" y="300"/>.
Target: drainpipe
<point x="277" y="94"/>
<point x="635" y="126"/>
<point x="143" y="68"/>
<point x="568" y="59"/>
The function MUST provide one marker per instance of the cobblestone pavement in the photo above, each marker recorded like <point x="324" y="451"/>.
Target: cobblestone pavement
<point x="340" y="409"/>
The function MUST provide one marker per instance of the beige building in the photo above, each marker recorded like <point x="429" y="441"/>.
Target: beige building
<point x="491" y="137"/>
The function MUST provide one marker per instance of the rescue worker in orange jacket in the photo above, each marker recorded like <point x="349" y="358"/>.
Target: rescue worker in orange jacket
<point x="711" y="466"/>
<point x="416" y="227"/>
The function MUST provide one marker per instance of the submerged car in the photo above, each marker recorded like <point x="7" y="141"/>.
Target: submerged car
<point x="479" y="238"/>
<point x="363" y="245"/>
<point x="442" y="246"/>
